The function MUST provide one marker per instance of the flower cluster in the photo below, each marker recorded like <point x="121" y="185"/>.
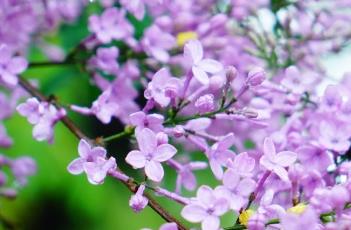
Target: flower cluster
<point x="204" y="85"/>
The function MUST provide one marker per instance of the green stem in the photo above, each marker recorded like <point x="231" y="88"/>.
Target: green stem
<point x="127" y="132"/>
<point x="48" y="64"/>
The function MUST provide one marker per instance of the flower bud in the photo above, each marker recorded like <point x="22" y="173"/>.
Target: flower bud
<point x="205" y="103"/>
<point x="138" y="202"/>
<point x="178" y="131"/>
<point x="162" y="138"/>
<point x="256" y="76"/>
<point x="231" y="73"/>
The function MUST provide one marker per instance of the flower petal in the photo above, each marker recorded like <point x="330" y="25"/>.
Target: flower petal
<point x="221" y="206"/>
<point x="136" y="159"/>
<point x="205" y="195"/>
<point x="146" y="140"/>
<point x="193" y="50"/>
<point x="269" y="148"/>
<point x="17" y="65"/>
<point x="83" y="148"/>
<point x="210" y="223"/>
<point x="154" y="171"/>
<point x="164" y="152"/>
<point x="231" y="179"/>
<point x="200" y="75"/>
<point x="76" y="166"/>
<point x="281" y="172"/>
<point x="285" y="158"/>
<point x="210" y="66"/>
<point x="194" y="213"/>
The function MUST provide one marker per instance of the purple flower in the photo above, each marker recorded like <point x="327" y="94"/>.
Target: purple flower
<point x="313" y="157"/>
<point x="86" y="154"/>
<point x="151" y="121"/>
<point x="256" y="76"/>
<point x="111" y="25"/>
<point x="43" y="116"/>
<point x="236" y="189"/>
<point x="136" y="7"/>
<point x="307" y="220"/>
<point x="97" y="171"/>
<point x="106" y="59"/>
<point x="207" y="208"/>
<point x="276" y="162"/>
<point x="5" y="140"/>
<point x="169" y="226"/>
<point x="149" y="155"/>
<point x="10" y="66"/>
<point x="219" y="154"/>
<point x="156" y="43"/>
<point x="200" y="67"/>
<point x="92" y="161"/>
<point x="138" y="202"/>
<point x="243" y="165"/>
<point x="160" y="87"/>
<point x="334" y="135"/>
<point x="22" y="168"/>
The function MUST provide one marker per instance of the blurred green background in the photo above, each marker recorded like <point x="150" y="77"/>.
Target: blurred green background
<point x="55" y="199"/>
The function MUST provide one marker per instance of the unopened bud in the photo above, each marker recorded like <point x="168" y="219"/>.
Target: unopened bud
<point x="231" y="73"/>
<point x="161" y="138"/>
<point x="205" y="103"/>
<point x="256" y="76"/>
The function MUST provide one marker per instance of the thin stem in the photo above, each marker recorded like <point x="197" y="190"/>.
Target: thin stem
<point x="130" y="184"/>
<point x="48" y="64"/>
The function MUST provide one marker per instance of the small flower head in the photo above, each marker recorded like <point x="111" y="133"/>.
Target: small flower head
<point x="138" y="202"/>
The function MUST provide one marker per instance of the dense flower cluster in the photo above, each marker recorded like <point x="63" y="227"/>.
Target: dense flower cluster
<point x="220" y="83"/>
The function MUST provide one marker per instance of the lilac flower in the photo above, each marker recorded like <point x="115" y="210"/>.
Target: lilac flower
<point x="256" y="76"/>
<point x="243" y="165"/>
<point x="307" y="220"/>
<point x="334" y="135"/>
<point x="136" y="7"/>
<point x="219" y="154"/>
<point x="22" y="168"/>
<point x="10" y="66"/>
<point x="276" y="162"/>
<point x="111" y="25"/>
<point x="156" y="43"/>
<point x="149" y="155"/>
<point x="314" y="157"/>
<point x="97" y="171"/>
<point x="5" y="140"/>
<point x="207" y="208"/>
<point x="151" y="121"/>
<point x="86" y="154"/>
<point x="43" y="116"/>
<point x="200" y="67"/>
<point x="160" y="86"/>
<point x="236" y="189"/>
<point x="138" y="202"/>
<point x="169" y="226"/>
<point x="205" y="103"/>
<point x="106" y="59"/>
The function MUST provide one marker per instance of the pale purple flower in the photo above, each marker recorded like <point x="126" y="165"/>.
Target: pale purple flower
<point x="86" y="154"/>
<point x="201" y="66"/>
<point x="138" y="202"/>
<point x="243" y="165"/>
<point x="106" y="59"/>
<point x="256" y="76"/>
<point x="10" y="66"/>
<point x="307" y="220"/>
<point x="206" y="209"/>
<point x="149" y="155"/>
<point x="142" y="120"/>
<point x="111" y="25"/>
<point x="156" y="43"/>
<point x="276" y="162"/>
<point x="43" y="116"/>
<point x="161" y="84"/>
<point x="313" y="157"/>
<point x="96" y="171"/>
<point x="236" y="189"/>
<point x="5" y="140"/>
<point x="219" y="154"/>
<point x="136" y="7"/>
<point x="334" y="135"/>
<point x="205" y="103"/>
<point x="22" y="168"/>
<point x="169" y="226"/>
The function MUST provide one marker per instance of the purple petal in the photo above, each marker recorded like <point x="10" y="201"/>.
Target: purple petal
<point x="194" y="213"/>
<point x="94" y="173"/>
<point x="200" y="75"/>
<point x="210" y="223"/>
<point x="281" y="172"/>
<point x="169" y="226"/>
<point x="98" y="152"/>
<point x="210" y="66"/>
<point x="164" y="152"/>
<point x="269" y="148"/>
<point x="216" y="169"/>
<point x="205" y="195"/>
<point x="193" y="50"/>
<point x="221" y="206"/>
<point x="265" y="162"/>
<point x="137" y="118"/>
<point x="285" y="158"/>
<point x="246" y="186"/>
<point x="226" y="142"/>
<point x="146" y="140"/>
<point x="76" y="166"/>
<point x="17" y="65"/>
<point x="83" y="148"/>
<point x="136" y="159"/>
<point x="154" y="171"/>
<point x="231" y="179"/>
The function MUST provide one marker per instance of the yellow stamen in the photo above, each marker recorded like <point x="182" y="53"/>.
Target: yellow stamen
<point x="184" y="37"/>
<point x="297" y="209"/>
<point x="245" y="216"/>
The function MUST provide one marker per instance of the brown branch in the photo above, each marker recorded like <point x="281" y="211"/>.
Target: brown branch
<point x="130" y="184"/>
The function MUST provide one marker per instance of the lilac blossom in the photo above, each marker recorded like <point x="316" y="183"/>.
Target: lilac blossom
<point x="136" y="7"/>
<point x="276" y="162"/>
<point x="138" y="202"/>
<point x="142" y="120"/>
<point x="10" y="66"/>
<point x="149" y="155"/>
<point x="206" y="209"/>
<point x="106" y="59"/>
<point x="201" y="66"/>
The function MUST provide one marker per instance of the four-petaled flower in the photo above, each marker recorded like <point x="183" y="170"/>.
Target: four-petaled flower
<point x="200" y="67"/>
<point x="207" y="208"/>
<point x="276" y="162"/>
<point x="150" y="155"/>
